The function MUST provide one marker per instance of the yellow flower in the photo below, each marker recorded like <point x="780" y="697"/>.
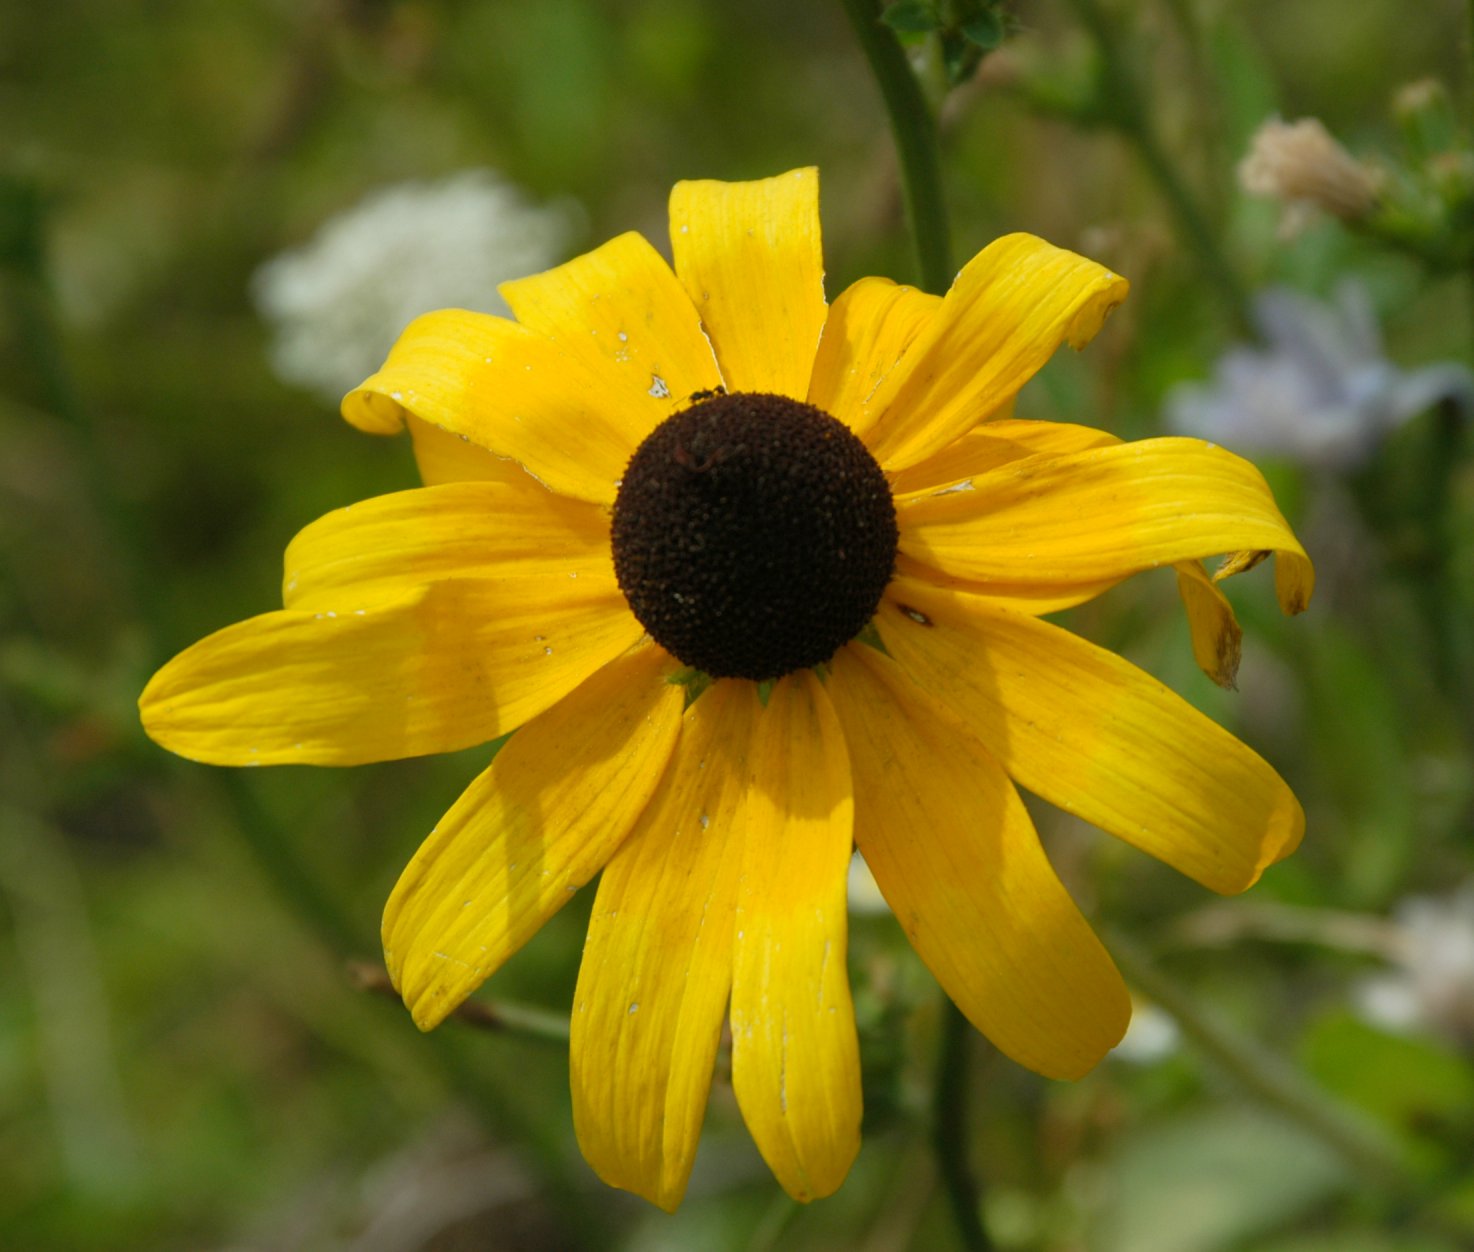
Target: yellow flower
<point x="754" y="536"/>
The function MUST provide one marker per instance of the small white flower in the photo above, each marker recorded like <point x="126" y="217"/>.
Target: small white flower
<point x="1320" y="391"/>
<point x="337" y="303"/>
<point x="1432" y="986"/>
<point x="1152" y="1035"/>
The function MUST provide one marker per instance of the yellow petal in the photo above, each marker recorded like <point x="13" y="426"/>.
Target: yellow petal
<point x="996" y="443"/>
<point x="957" y="859"/>
<point x="1101" y="515"/>
<point x="1091" y="733"/>
<point x="750" y="258"/>
<point x="1216" y="636"/>
<point x="795" y="1055"/>
<point x="511" y="391"/>
<point x="1009" y="309"/>
<point x="1293" y="581"/>
<point x="621" y="312"/>
<point x="657" y="964"/>
<point x="1034" y="597"/>
<point x="1218" y="640"/>
<point x="450" y="665"/>
<point x="541" y="821"/>
<point x="395" y="543"/>
<point x="445" y="457"/>
<point x="868" y="330"/>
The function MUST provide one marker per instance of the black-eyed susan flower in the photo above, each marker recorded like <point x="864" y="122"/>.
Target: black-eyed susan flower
<point x="820" y="522"/>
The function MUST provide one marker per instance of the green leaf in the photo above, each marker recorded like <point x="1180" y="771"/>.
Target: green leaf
<point x="1217" y="1180"/>
<point x="960" y="57"/>
<point x="911" y="17"/>
<point x="1418" y="1088"/>
<point x="985" y="30"/>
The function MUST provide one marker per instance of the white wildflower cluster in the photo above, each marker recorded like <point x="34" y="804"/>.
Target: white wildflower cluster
<point x="1321" y="391"/>
<point x="337" y="303"/>
<point x="1431" y="986"/>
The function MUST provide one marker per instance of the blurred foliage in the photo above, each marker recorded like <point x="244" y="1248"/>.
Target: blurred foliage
<point x="184" y="1062"/>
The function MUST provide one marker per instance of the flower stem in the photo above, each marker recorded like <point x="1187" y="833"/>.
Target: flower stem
<point x="1128" y="113"/>
<point x="949" y="1131"/>
<point x="500" y="1016"/>
<point x="1469" y="116"/>
<point x="1469" y="59"/>
<point x="915" y="132"/>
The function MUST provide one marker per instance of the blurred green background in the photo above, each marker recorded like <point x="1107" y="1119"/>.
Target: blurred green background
<point x="185" y="1060"/>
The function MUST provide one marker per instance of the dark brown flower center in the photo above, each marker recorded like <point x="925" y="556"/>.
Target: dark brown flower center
<point x="753" y="535"/>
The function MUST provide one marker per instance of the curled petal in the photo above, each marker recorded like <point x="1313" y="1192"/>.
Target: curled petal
<point x="1101" y="515"/>
<point x="513" y="392"/>
<point x="868" y="330"/>
<point x="1217" y="637"/>
<point x="622" y="313"/>
<point x="1011" y="306"/>
<point x="995" y="443"/>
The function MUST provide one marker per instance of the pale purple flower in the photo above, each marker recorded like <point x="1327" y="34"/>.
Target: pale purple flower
<point x="1321" y="390"/>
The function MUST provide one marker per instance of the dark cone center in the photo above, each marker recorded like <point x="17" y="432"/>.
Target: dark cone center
<point x="753" y="535"/>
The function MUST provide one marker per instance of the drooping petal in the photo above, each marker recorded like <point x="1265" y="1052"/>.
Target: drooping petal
<point x="1103" y="514"/>
<point x="541" y="821"/>
<point x="447" y="666"/>
<point x="1036" y="597"/>
<point x="750" y="258"/>
<point x="868" y="330"/>
<point x="511" y="391"/>
<point x="657" y="964"/>
<point x="1217" y="637"/>
<point x="1091" y="733"/>
<point x="1008" y="310"/>
<point x="442" y="456"/>
<point x="958" y="861"/>
<point x="795" y="1054"/>
<point x="996" y="443"/>
<point x="394" y="543"/>
<point x="621" y="311"/>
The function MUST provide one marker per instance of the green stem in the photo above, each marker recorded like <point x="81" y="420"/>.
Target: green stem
<point x="1437" y="581"/>
<point x="1469" y="61"/>
<point x="915" y="132"/>
<point x="1128" y="113"/>
<point x="500" y="1016"/>
<point x="1264" y="1075"/>
<point x="949" y="1131"/>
